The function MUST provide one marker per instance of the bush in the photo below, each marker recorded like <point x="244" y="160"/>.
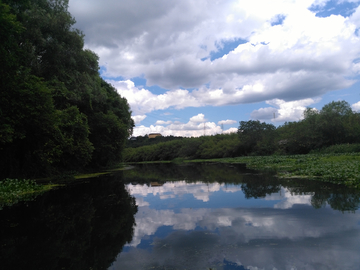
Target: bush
<point x="339" y="148"/>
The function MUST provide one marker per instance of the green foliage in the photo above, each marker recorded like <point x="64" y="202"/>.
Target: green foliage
<point x="73" y="144"/>
<point x="334" y="124"/>
<point x="225" y="145"/>
<point x="145" y="140"/>
<point x="56" y="113"/>
<point x="10" y="28"/>
<point x="30" y="119"/>
<point x="15" y="190"/>
<point x="256" y="137"/>
<point x="110" y="125"/>
<point x="333" y="168"/>
<point x="190" y="147"/>
<point x="339" y="148"/>
<point x="107" y="132"/>
<point x="346" y="171"/>
<point x="187" y="148"/>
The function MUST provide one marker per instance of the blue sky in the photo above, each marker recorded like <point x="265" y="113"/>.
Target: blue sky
<point x="183" y="65"/>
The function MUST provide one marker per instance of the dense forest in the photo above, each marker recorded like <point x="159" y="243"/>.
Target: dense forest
<point x="335" y="127"/>
<point x="56" y="113"/>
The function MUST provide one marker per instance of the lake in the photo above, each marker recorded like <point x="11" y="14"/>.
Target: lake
<point x="188" y="216"/>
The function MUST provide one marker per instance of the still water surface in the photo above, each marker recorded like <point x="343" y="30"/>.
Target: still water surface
<point x="200" y="216"/>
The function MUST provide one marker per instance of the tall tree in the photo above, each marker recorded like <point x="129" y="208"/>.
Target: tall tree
<point x="251" y="133"/>
<point x="57" y="113"/>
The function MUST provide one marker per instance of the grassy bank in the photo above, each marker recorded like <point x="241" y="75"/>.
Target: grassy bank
<point x="333" y="168"/>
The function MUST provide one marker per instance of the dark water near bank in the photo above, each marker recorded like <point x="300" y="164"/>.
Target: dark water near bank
<point x="203" y="216"/>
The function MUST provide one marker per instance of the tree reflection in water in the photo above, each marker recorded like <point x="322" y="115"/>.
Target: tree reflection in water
<point x="85" y="226"/>
<point x="219" y="216"/>
<point x="253" y="184"/>
<point x="79" y="227"/>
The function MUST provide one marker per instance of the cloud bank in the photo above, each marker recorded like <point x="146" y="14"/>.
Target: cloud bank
<point x="282" y="52"/>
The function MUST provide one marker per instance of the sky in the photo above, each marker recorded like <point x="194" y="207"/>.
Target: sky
<point x="199" y="67"/>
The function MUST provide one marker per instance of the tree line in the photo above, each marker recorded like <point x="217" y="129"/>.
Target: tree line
<point x="139" y="141"/>
<point x="335" y="127"/>
<point x="56" y="112"/>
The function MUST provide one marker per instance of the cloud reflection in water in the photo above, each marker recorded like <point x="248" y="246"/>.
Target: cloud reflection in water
<point x="282" y="232"/>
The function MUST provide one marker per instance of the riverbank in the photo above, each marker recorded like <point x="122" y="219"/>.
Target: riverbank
<point x="341" y="168"/>
<point x="336" y="168"/>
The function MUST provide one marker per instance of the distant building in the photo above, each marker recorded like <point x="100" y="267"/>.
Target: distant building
<point x="154" y="135"/>
<point x="156" y="184"/>
<point x="133" y="139"/>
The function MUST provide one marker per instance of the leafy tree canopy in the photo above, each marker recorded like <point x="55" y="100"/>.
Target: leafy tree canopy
<point x="57" y="113"/>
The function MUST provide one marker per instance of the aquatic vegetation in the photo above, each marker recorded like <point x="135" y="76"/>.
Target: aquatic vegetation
<point x="334" y="168"/>
<point x="89" y="175"/>
<point x="16" y="190"/>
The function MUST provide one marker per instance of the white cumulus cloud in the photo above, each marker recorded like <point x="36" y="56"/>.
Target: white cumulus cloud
<point x="138" y="118"/>
<point x="282" y="52"/>
<point x="155" y="40"/>
<point x="282" y="110"/>
<point x="195" y="127"/>
<point x="356" y="106"/>
<point x="227" y="122"/>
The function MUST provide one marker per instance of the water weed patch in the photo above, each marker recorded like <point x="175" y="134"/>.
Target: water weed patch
<point x="15" y="190"/>
<point x="335" y="168"/>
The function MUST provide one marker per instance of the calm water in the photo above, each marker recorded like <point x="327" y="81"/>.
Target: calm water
<point x="203" y="216"/>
